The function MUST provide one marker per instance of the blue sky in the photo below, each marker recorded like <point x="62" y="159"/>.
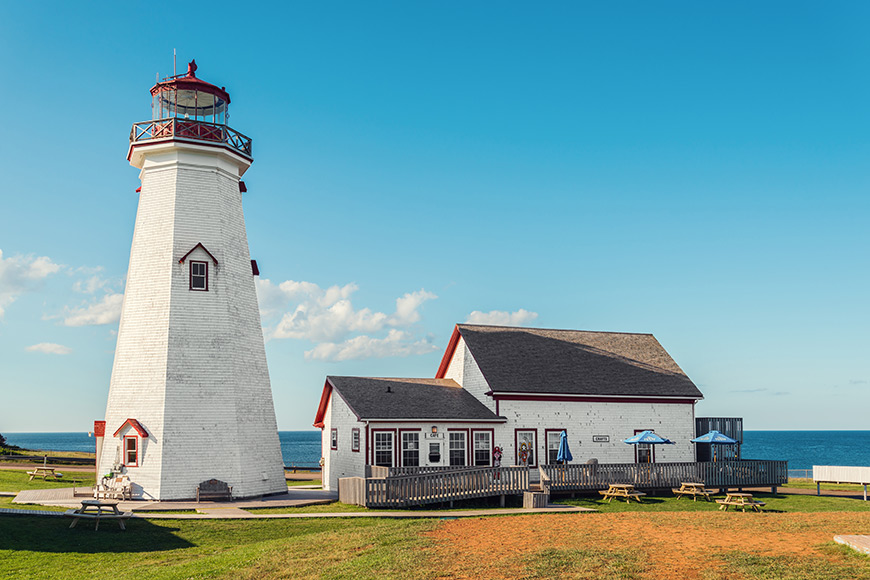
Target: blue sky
<point x="694" y="170"/>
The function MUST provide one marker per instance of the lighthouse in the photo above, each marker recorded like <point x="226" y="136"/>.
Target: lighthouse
<point x="190" y="398"/>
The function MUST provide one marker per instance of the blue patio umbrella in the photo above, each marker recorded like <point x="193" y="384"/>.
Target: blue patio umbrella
<point x="564" y="454"/>
<point x="648" y="437"/>
<point x="715" y="437"/>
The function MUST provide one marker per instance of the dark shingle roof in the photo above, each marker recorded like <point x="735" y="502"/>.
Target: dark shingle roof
<point x="532" y="360"/>
<point x="369" y="398"/>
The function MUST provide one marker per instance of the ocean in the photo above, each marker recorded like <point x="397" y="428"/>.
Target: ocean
<point x="802" y="449"/>
<point x="300" y="448"/>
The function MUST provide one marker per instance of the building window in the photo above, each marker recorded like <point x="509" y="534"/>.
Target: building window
<point x="410" y="449"/>
<point x="354" y="439"/>
<point x="199" y="276"/>
<point x="525" y="442"/>
<point x="482" y="448"/>
<point x="384" y="448"/>
<point x="131" y="451"/>
<point x="333" y="439"/>
<point x="554" y="438"/>
<point x="457" y="448"/>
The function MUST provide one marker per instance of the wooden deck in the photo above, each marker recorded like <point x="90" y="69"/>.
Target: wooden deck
<point x="433" y="486"/>
<point x="410" y="486"/>
<point x="722" y="474"/>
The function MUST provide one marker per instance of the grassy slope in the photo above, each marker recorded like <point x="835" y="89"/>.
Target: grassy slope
<point x="14" y="480"/>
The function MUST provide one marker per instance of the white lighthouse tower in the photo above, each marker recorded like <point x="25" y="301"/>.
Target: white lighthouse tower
<point x="190" y="398"/>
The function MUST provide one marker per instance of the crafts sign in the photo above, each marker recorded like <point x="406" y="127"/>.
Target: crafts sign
<point x="601" y="438"/>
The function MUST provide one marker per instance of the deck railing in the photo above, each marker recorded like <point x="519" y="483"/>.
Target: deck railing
<point x="445" y="485"/>
<point x="408" y="486"/>
<point x="196" y="130"/>
<point x="746" y="473"/>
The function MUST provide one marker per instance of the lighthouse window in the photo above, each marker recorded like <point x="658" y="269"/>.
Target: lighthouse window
<point x="199" y="276"/>
<point x="131" y="451"/>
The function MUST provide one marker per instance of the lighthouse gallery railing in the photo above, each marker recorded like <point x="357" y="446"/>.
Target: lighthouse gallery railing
<point x="197" y="130"/>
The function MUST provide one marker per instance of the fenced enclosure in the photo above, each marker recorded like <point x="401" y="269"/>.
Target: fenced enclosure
<point x="446" y="485"/>
<point x="408" y="486"/>
<point x="723" y="474"/>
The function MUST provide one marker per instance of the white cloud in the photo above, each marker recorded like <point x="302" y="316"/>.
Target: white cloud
<point x="49" y="348"/>
<point x="396" y="343"/>
<point x="91" y="285"/>
<point x="106" y="311"/>
<point x="304" y="310"/>
<point x="20" y="274"/>
<point x="502" y="318"/>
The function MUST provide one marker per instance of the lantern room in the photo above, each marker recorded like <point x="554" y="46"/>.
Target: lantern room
<point x="187" y="97"/>
<point x="186" y="108"/>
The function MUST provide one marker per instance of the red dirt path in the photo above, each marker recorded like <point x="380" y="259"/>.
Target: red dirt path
<point x="675" y="545"/>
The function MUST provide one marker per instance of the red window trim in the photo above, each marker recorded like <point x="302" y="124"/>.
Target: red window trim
<point x="419" y="443"/>
<point x="467" y="444"/>
<point x="395" y="445"/>
<point x="546" y="442"/>
<point x="192" y="262"/>
<point x="517" y="446"/>
<point x="491" y="443"/>
<point x="136" y="441"/>
<point x="333" y="438"/>
<point x="353" y="431"/>
<point x="652" y="448"/>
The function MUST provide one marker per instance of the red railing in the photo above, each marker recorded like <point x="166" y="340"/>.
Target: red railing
<point x="195" y="130"/>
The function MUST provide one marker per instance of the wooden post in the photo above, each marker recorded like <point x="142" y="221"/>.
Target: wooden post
<point x="501" y="498"/>
<point x="818" y="488"/>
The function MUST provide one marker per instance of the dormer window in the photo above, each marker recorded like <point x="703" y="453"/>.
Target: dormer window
<point x="199" y="276"/>
<point x="131" y="451"/>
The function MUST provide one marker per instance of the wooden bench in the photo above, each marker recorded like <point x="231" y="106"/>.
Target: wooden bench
<point x="114" y="488"/>
<point x="740" y="500"/>
<point x="625" y="491"/>
<point x="694" y="490"/>
<point x="97" y="510"/>
<point x="214" y="489"/>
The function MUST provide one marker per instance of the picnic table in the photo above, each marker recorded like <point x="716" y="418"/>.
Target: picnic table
<point x="43" y="472"/>
<point x="622" y="490"/>
<point x="693" y="489"/>
<point x="739" y="500"/>
<point x="94" y="509"/>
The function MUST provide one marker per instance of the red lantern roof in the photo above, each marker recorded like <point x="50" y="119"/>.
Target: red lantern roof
<point x="189" y="82"/>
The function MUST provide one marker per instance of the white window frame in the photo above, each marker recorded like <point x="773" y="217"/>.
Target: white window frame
<point x="407" y="437"/>
<point x="479" y="446"/>
<point x="380" y="447"/>
<point x="451" y="447"/>
<point x="203" y="276"/>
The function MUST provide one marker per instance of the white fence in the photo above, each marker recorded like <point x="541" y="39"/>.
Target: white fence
<point x="841" y="474"/>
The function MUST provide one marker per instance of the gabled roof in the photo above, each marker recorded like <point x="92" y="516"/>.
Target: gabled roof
<point x="204" y="249"/>
<point x="373" y="398"/>
<point x="135" y="425"/>
<point x="571" y="362"/>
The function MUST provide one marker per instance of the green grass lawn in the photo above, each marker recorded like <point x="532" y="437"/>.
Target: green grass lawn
<point x="34" y="547"/>
<point x="14" y="480"/>
<point x="6" y="502"/>
<point x="40" y="547"/>
<point x="295" y="482"/>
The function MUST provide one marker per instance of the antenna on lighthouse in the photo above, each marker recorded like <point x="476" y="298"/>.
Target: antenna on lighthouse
<point x="174" y="72"/>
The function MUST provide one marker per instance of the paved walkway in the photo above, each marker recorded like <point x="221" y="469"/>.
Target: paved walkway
<point x="859" y="543"/>
<point x="238" y="509"/>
